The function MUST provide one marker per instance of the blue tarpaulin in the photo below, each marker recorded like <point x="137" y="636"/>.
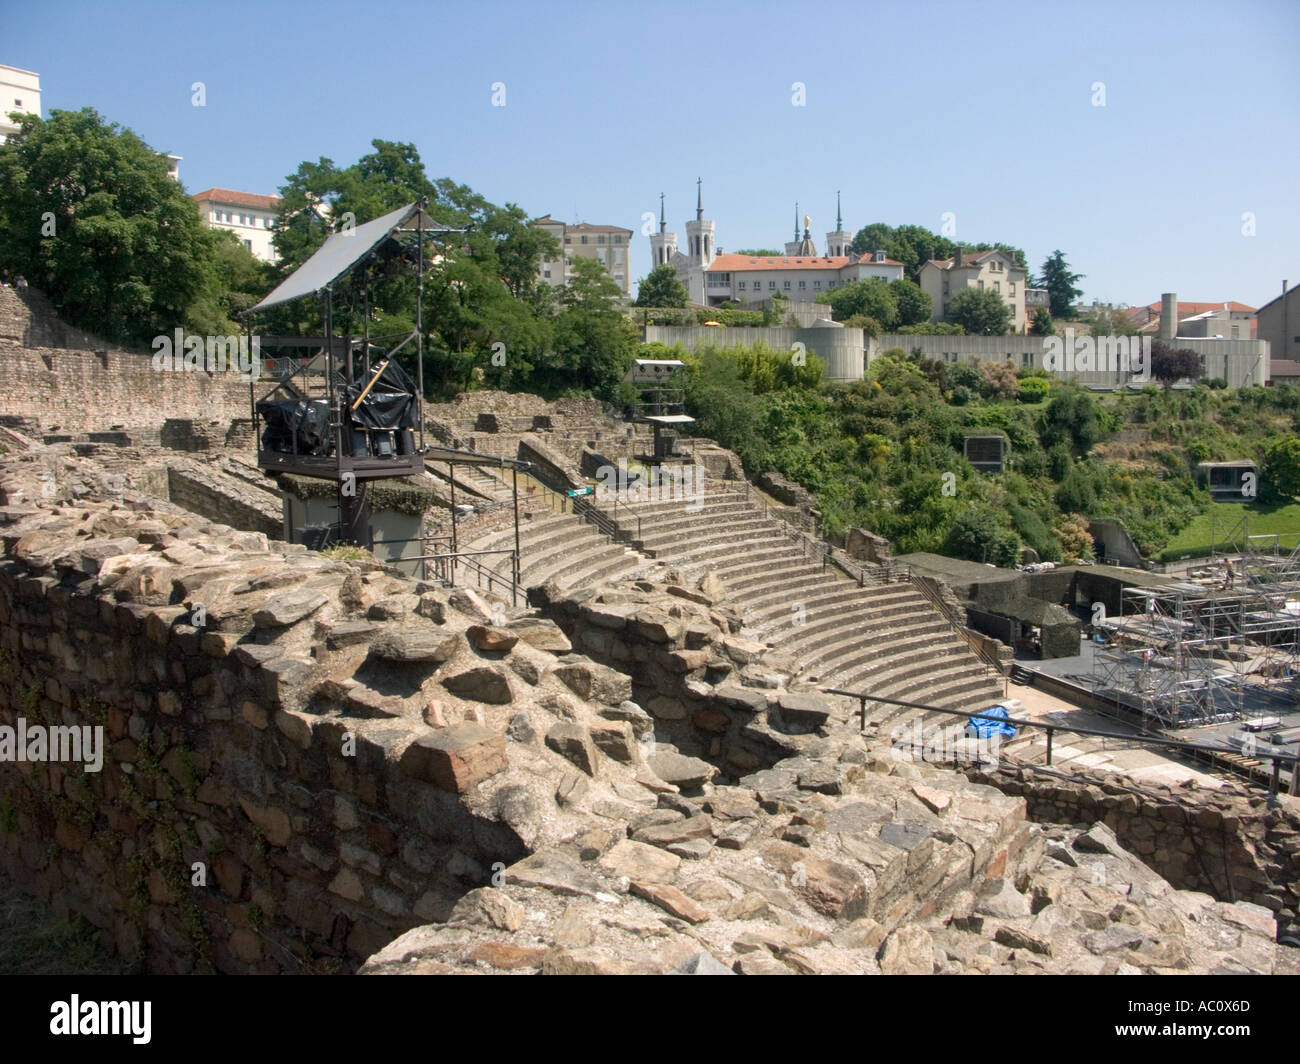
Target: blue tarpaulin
<point x="982" y="727"/>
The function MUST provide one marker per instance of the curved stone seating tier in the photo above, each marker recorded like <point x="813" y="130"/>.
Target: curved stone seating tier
<point x="885" y="638"/>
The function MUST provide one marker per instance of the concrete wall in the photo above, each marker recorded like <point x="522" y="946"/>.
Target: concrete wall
<point x="842" y="349"/>
<point x="1278" y="324"/>
<point x="1242" y="363"/>
<point x="1118" y="545"/>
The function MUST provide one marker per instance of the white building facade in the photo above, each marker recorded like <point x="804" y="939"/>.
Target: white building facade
<point x="248" y="215"/>
<point x="20" y="90"/>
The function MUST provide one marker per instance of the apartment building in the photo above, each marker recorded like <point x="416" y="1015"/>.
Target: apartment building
<point x="20" y="90"/>
<point x="608" y="244"/>
<point x="249" y="215"/>
<point x="993" y="270"/>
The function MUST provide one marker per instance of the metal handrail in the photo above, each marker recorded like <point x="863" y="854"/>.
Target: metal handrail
<point x="1277" y="760"/>
<point x="946" y="611"/>
<point x="447" y="563"/>
<point x="590" y="513"/>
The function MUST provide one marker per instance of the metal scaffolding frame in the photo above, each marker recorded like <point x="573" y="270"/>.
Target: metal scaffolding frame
<point x="1215" y="647"/>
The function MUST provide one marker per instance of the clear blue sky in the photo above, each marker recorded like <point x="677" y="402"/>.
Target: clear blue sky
<point x="911" y="110"/>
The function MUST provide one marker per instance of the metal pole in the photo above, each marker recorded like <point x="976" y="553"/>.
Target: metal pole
<point x="451" y="479"/>
<point x="514" y="493"/>
<point x="1049" y="746"/>
<point x="419" y="328"/>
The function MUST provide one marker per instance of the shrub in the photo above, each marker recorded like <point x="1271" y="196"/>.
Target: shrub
<point x="1033" y="390"/>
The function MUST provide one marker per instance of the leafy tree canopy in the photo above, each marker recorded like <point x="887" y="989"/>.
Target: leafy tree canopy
<point x="1058" y="279"/>
<point x="981" y="312"/>
<point x="89" y="215"/>
<point x="661" y="288"/>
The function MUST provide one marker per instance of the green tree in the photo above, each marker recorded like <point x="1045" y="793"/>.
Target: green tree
<point x="1071" y="418"/>
<point x="761" y="253"/>
<point x="594" y="341"/>
<point x="89" y="215"/>
<point x="1042" y="324"/>
<point x="981" y="312"/>
<point x="873" y="297"/>
<point x="661" y="288"/>
<point x="482" y="289"/>
<point x="979" y="535"/>
<point x="1017" y="254"/>
<point x="914" y="303"/>
<point x="873" y="237"/>
<point x="1281" y="471"/>
<point x="913" y="244"/>
<point x="1107" y="321"/>
<point x="1059" y="282"/>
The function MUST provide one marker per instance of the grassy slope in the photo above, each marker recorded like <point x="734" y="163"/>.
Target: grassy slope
<point x="1195" y="539"/>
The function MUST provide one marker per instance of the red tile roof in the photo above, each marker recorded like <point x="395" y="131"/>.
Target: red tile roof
<point x="1186" y="310"/>
<point x="748" y="263"/>
<point x="237" y="199"/>
<point x="743" y="263"/>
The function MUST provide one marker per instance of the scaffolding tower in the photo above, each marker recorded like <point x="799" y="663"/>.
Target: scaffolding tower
<point x="1220" y="645"/>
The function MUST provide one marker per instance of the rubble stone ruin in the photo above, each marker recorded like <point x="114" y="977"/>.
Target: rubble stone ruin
<point x="335" y="763"/>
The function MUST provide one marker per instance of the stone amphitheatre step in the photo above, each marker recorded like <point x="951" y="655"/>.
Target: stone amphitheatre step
<point x="839" y="649"/>
<point x="695" y="537"/>
<point x="904" y="648"/>
<point x="910" y="675"/>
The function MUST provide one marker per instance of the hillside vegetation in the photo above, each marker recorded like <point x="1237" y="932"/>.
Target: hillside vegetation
<point x="885" y="453"/>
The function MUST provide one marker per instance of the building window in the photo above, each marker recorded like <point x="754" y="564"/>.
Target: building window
<point x="771" y="286"/>
<point x="1011" y="286"/>
<point x="1027" y="359"/>
<point x="803" y="284"/>
<point x="546" y="274"/>
<point x="600" y="239"/>
<point x="618" y="258"/>
<point x="981" y="283"/>
<point x="568" y="240"/>
<point x="785" y="285"/>
<point x="248" y="244"/>
<point x="584" y="238"/>
<point x="741" y="286"/>
<point x="817" y="284"/>
<point x="997" y="286"/>
<point x="618" y="277"/>
<point x="618" y="240"/>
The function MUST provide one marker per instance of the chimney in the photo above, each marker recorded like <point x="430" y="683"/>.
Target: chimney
<point x="1168" y="315"/>
<point x="956" y="256"/>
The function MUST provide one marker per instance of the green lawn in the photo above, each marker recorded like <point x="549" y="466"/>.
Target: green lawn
<point x="1194" y="540"/>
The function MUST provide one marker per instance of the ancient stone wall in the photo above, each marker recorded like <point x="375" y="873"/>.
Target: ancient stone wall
<point x="1227" y="842"/>
<point x="201" y="493"/>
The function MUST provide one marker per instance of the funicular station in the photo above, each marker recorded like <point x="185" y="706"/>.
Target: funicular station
<point x="342" y="409"/>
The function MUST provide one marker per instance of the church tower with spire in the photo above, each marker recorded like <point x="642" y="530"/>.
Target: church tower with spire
<point x="663" y="244"/>
<point x="701" y="248"/>
<point x="792" y="246"/>
<point x="837" y="243"/>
